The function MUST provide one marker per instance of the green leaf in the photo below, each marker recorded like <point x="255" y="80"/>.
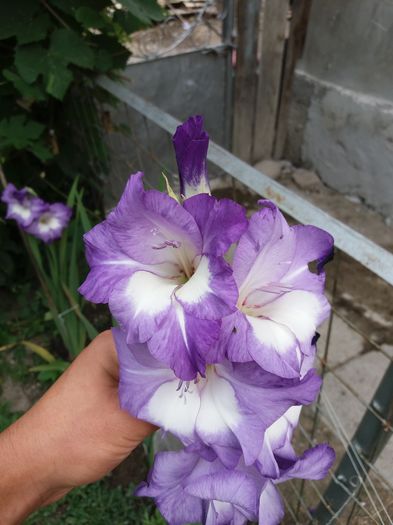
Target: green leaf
<point x="28" y="91"/>
<point x="128" y="22"/>
<point x="41" y="151"/>
<point x="70" y="6"/>
<point x="103" y="61"/>
<point x="147" y="11"/>
<point x="34" y="30"/>
<point x="30" y="61"/>
<point x="58" y="366"/>
<point x="19" y="132"/>
<point x="90" y="18"/>
<point x="57" y="78"/>
<point x="68" y="45"/>
<point x="14" y="15"/>
<point x="118" y="53"/>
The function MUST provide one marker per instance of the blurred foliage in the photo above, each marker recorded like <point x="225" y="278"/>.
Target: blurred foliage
<point x="99" y="504"/>
<point x="7" y="417"/>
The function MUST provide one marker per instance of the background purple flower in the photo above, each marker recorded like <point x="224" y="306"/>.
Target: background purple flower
<point x="191" y="143"/>
<point x="22" y="205"/>
<point x="50" y="223"/>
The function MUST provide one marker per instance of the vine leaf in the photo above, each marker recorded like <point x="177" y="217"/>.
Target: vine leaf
<point x="68" y="45"/>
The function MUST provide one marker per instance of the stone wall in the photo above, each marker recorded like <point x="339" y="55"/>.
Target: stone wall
<point x="341" y="121"/>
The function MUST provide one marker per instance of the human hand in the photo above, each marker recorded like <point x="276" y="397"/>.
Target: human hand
<point x="73" y="435"/>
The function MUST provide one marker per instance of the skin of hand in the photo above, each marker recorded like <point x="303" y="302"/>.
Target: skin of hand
<point x="75" y="434"/>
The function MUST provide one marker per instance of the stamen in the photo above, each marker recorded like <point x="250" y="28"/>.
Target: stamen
<point x="171" y="243"/>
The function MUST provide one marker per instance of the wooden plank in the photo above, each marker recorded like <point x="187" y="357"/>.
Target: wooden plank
<point x="273" y="33"/>
<point x="246" y="77"/>
<point x="297" y="37"/>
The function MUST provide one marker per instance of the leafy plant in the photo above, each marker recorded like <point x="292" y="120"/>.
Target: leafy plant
<point x="51" y="52"/>
<point x="58" y="267"/>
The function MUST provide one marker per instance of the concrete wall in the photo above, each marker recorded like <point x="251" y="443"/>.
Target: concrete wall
<point x="183" y="85"/>
<point x="341" y="121"/>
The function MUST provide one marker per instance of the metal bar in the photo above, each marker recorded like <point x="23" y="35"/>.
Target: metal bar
<point x="369" y="439"/>
<point x="369" y="254"/>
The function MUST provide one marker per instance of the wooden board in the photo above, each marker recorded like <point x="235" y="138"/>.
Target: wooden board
<point x="273" y="33"/>
<point x="246" y="77"/>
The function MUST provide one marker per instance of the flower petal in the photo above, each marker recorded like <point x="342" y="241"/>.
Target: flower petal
<point x="140" y="302"/>
<point x="312" y="244"/>
<point x="211" y="293"/>
<point x="152" y="228"/>
<point x="108" y="264"/>
<point x="273" y="346"/>
<point x="227" y="486"/>
<point x="271" y="508"/>
<point x="313" y="464"/>
<point x="135" y="365"/>
<point x="261" y="399"/>
<point x="165" y="484"/>
<point x="265" y="248"/>
<point x="191" y="143"/>
<point x="300" y="311"/>
<point x="185" y="342"/>
<point x="221" y="222"/>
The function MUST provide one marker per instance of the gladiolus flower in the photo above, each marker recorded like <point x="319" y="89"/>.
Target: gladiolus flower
<point x="231" y="407"/>
<point x="160" y="267"/>
<point x="22" y="205"/>
<point x="281" y="302"/>
<point x="51" y="222"/>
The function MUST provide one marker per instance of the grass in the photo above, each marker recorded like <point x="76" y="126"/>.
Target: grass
<point x="98" y="504"/>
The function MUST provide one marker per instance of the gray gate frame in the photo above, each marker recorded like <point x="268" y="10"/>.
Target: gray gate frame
<point x="375" y="427"/>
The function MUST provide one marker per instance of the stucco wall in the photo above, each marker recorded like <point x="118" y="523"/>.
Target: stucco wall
<point x="341" y="120"/>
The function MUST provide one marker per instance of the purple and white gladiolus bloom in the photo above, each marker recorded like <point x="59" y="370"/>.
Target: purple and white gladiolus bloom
<point x="51" y="222"/>
<point x="188" y="487"/>
<point x="22" y="205"/>
<point x="219" y="355"/>
<point x="191" y="143"/>
<point x="160" y="266"/>
<point x="281" y="302"/>
<point x="231" y="407"/>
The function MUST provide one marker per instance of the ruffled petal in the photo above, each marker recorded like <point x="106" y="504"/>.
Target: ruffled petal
<point x="313" y="464"/>
<point x="265" y="249"/>
<point x="273" y="346"/>
<point x="211" y="293"/>
<point x="152" y="228"/>
<point x="261" y="399"/>
<point x="140" y="303"/>
<point x="301" y="312"/>
<point x="184" y="342"/>
<point x="227" y="486"/>
<point x="108" y="264"/>
<point x="165" y="484"/>
<point x="221" y="222"/>
<point x="150" y="391"/>
<point x="312" y="244"/>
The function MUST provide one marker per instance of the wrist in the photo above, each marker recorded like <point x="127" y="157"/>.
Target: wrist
<point x="26" y="473"/>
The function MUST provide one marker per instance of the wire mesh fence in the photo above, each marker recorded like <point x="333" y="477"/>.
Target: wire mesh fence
<point x="355" y="353"/>
<point x="189" y="25"/>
